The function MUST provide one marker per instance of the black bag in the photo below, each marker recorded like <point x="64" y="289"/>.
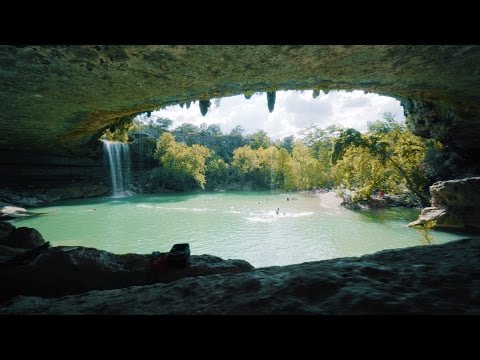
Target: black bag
<point x="179" y="255"/>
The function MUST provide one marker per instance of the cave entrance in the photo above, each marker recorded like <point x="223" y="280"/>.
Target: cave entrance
<point x="255" y="127"/>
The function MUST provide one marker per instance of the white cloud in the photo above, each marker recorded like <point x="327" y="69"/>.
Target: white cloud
<point x="294" y="110"/>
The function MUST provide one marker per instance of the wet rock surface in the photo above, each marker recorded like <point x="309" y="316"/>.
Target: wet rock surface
<point x="40" y="196"/>
<point x="435" y="279"/>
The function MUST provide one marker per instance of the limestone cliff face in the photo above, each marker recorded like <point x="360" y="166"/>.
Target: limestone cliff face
<point x="455" y="204"/>
<point x="58" y="99"/>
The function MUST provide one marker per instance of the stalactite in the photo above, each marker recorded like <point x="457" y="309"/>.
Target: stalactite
<point x="271" y="100"/>
<point x="248" y="94"/>
<point x="204" y="105"/>
<point x="188" y="104"/>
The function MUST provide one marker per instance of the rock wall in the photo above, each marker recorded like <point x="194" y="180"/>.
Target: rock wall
<point x="32" y="179"/>
<point x="58" y="99"/>
<point x="455" y="204"/>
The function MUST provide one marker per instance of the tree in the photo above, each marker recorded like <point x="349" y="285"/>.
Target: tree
<point x="303" y="167"/>
<point x="347" y="138"/>
<point x="183" y="165"/>
<point x="217" y="172"/>
<point x="245" y="160"/>
<point x="187" y="133"/>
<point x="237" y="131"/>
<point x="361" y="172"/>
<point x="153" y="127"/>
<point x="385" y="126"/>
<point x="260" y="139"/>
<point x="287" y="143"/>
<point x="119" y="132"/>
<point x="389" y="157"/>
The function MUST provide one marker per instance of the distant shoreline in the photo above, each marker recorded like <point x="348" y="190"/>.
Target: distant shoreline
<point x="330" y="199"/>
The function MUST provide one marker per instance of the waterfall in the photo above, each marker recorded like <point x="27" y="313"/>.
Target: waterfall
<point x="119" y="160"/>
<point x="272" y="170"/>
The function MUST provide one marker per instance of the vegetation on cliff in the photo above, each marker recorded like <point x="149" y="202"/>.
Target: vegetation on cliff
<point x="388" y="158"/>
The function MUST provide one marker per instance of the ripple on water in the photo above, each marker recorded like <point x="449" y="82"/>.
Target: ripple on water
<point x="240" y="226"/>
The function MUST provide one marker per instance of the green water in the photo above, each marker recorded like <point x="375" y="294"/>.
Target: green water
<point x="230" y="225"/>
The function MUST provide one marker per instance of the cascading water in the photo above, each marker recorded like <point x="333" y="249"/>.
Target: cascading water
<point x="272" y="170"/>
<point x="119" y="160"/>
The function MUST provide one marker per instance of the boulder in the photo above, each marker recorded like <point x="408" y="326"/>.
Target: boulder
<point x="66" y="270"/>
<point x="5" y="230"/>
<point x="8" y="211"/>
<point x="455" y="204"/>
<point x="442" y="218"/>
<point x="24" y="238"/>
<point x="456" y="194"/>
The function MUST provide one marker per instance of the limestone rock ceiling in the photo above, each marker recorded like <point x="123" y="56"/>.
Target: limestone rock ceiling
<point x="58" y="99"/>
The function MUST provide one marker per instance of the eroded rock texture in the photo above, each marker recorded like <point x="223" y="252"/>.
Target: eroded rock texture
<point x="58" y="99"/>
<point x="65" y="270"/>
<point x="436" y="279"/>
<point x="455" y="204"/>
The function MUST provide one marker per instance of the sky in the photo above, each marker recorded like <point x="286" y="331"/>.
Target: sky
<point x="294" y="111"/>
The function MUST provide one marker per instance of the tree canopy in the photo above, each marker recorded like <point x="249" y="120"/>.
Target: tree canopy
<point x="387" y="157"/>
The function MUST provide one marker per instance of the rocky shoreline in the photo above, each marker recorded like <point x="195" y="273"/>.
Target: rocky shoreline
<point x="38" y="279"/>
<point x="29" y="266"/>
<point x="454" y="205"/>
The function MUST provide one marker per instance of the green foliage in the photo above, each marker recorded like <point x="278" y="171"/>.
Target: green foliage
<point x="347" y="138"/>
<point x="362" y="173"/>
<point x="424" y="229"/>
<point x="152" y="127"/>
<point x="217" y="172"/>
<point x="245" y="160"/>
<point x="385" y="126"/>
<point x="187" y="133"/>
<point x="184" y="166"/>
<point x="302" y="167"/>
<point x="276" y="168"/>
<point x="314" y="136"/>
<point x="389" y="157"/>
<point x="259" y="139"/>
<point x="287" y="143"/>
<point x="120" y="133"/>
